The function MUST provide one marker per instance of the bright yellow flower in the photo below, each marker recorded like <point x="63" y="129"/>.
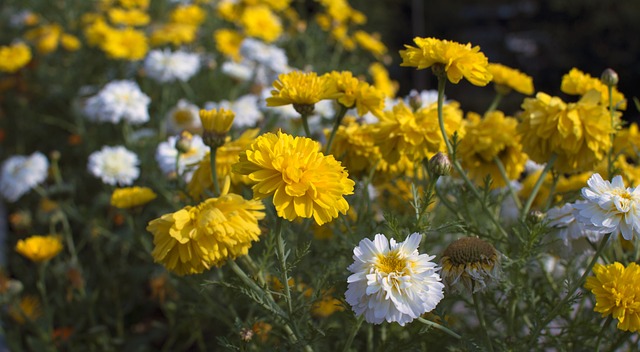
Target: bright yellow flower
<point x="28" y="309"/>
<point x="370" y="43"/>
<point x="129" y="197"/>
<point x="216" y="121"/>
<point x="97" y="31"/>
<point x="277" y="5"/>
<point x="577" y="82"/>
<point x="174" y="33"/>
<point x="354" y="146"/>
<point x="70" y="42"/>
<point x="130" y="4"/>
<point x="228" y="42"/>
<point x="617" y="291"/>
<point x="304" y="182"/>
<point x="356" y="93"/>
<point x="125" y="44"/>
<point x="578" y="133"/>
<point x="14" y="57"/>
<point x="488" y="138"/>
<point x="301" y="88"/>
<point x="228" y="10"/>
<point x="260" y="22"/>
<point x="188" y="14"/>
<point x="194" y="239"/>
<point x="39" y="248"/>
<point x="457" y="59"/>
<point x="382" y="81"/>
<point x="133" y="17"/>
<point x="511" y="78"/>
<point x="46" y="37"/>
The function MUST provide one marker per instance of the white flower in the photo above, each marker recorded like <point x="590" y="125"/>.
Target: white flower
<point x="392" y="281"/>
<point x="286" y="112"/>
<point x="166" y="66"/>
<point x="245" y="108"/>
<point x="324" y="109"/>
<point x="241" y="71"/>
<point x="270" y="56"/>
<point x="114" y="165"/>
<point x="119" y="100"/>
<point x="610" y="207"/>
<point x="21" y="173"/>
<point x="166" y="154"/>
<point x="183" y="116"/>
<point x="564" y="220"/>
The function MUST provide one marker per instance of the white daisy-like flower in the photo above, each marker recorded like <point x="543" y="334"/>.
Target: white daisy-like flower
<point x="245" y="108"/>
<point x="114" y="165"/>
<point x="166" y="154"/>
<point x="270" y="56"/>
<point x="391" y="281"/>
<point x="183" y="116"/>
<point x="563" y="219"/>
<point x="241" y="71"/>
<point x="610" y="207"/>
<point x="119" y="100"/>
<point x="167" y="66"/>
<point x="21" y="173"/>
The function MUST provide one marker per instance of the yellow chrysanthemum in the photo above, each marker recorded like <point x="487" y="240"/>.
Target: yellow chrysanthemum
<point x="216" y="121"/>
<point x="382" y="81"/>
<point x="628" y="141"/>
<point x="129" y="197"/>
<point x="70" y="42"/>
<point x="416" y="135"/>
<point x="174" y="33"/>
<point x="27" y="309"/>
<point x="577" y="82"/>
<point x="96" y="30"/>
<point x="194" y="239"/>
<point x="131" y="4"/>
<point x="511" y="78"/>
<point x="260" y="22"/>
<point x="354" y="146"/>
<point x="132" y="17"/>
<point x="356" y="93"/>
<point x="14" y="57"/>
<point x="228" y="42"/>
<point x="39" y="248"/>
<point x="125" y="44"/>
<point x="46" y="37"/>
<point x="488" y="138"/>
<point x="304" y="182"/>
<point x="578" y="133"/>
<point x="188" y="14"/>
<point x="301" y="88"/>
<point x="370" y="43"/>
<point x="458" y="60"/>
<point x="617" y="291"/>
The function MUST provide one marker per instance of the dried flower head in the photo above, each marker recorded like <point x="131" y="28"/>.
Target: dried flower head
<point x="470" y="263"/>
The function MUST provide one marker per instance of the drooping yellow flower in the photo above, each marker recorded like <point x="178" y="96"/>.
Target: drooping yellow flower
<point x="492" y="137"/>
<point x="194" y="239"/>
<point x="301" y="88"/>
<point x="188" y="14"/>
<point x="370" y="43"/>
<point x="129" y="197"/>
<point x="382" y="81"/>
<point x="39" y="248"/>
<point x="260" y="22"/>
<point x="354" y="146"/>
<point x="458" y="60"/>
<point x="356" y="93"/>
<point x="578" y="133"/>
<point x="617" y="291"/>
<point x="132" y="17"/>
<point x="175" y="34"/>
<point x="304" y="182"/>
<point x="125" y="44"/>
<point x="511" y="78"/>
<point x="14" y="57"/>
<point x="577" y="82"/>
<point x="228" y="42"/>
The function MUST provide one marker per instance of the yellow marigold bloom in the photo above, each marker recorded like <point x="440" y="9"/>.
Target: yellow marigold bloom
<point x="14" y="57"/>
<point x="130" y="4"/>
<point x="97" y="31"/>
<point x="381" y="80"/>
<point x="304" y="182"/>
<point x="132" y="18"/>
<point x="28" y="309"/>
<point x="617" y="291"/>
<point x="216" y="121"/>
<point x="577" y="82"/>
<point x="416" y="135"/>
<point x="228" y="42"/>
<point x="174" y="33"/>
<point x="301" y="88"/>
<point x="188" y="14"/>
<point x="46" y="37"/>
<point x="70" y="42"/>
<point x="511" y="78"/>
<point x="370" y="43"/>
<point x="125" y="44"/>
<point x="356" y="93"/>
<point x="457" y="59"/>
<point x="39" y="248"/>
<point x="354" y="146"/>
<point x="229" y="10"/>
<point x="194" y="239"/>
<point x="260" y="22"/>
<point x="129" y="197"/>
<point x="578" y="133"/>
<point x="492" y="137"/>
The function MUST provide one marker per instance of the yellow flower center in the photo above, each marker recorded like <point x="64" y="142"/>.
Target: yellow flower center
<point x="182" y="117"/>
<point x="621" y="200"/>
<point x="391" y="263"/>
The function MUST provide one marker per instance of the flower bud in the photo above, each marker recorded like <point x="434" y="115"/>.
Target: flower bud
<point x="439" y="165"/>
<point x="304" y="109"/>
<point x="609" y="77"/>
<point x="183" y="143"/>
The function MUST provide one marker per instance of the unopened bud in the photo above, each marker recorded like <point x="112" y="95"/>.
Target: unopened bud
<point x="439" y="165"/>
<point x="609" y="77"/>
<point x="183" y="143"/>
<point x="535" y="216"/>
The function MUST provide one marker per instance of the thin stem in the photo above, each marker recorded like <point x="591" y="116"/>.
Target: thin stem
<point x="439" y="327"/>
<point x="353" y="333"/>
<point x="305" y="124"/>
<point x="495" y="102"/>
<point x="337" y="121"/>
<point x="42" y="289"/>
<point x="214" y="173"/>
<point x="537" y="186"/>
<point x="282" y="257"/>
<point x="483" y="323"/>
<point x="503" y="173"/>
<point x="177" y="167"/>
<point x="601" y="334"/>
<point x="612" y="135"/>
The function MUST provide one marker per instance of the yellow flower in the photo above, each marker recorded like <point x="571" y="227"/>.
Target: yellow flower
<point x="14" y="57"/>
<point x="188" y="14"/>
<point x="511" y="78"/>
<point x="457" y="59"/>
<point x="39" y="248"/>
<point x="260" y="22"/>
<point x="174" y="33"/>
<point x="228" y="42"/>
<point x="216" y="121"/>
<point x="617" y="291"/>
<point x="125" y="44"/>
<point x="133" y="17"/>
<point x="304" y="182"/>
<point x="578" y="133"/>
<point x="129" y="197"/>
<point x="130" y="4"/>
<point x="381" y="80"/>
<point x="97" y="31"/>
<point x="488" y="138"/>
<point x="354" y="146"/>
<point x="577" y="82"/>
<point x="28" y="309"/>
<point x="46" y="37"/>
<point x="356" y="93"/>
<point x="70" y="42"/>
<point x="470" y="263"/>
<point x="301" y="88"/>
<point x="628" y="141"/>
<point x="194" y="239"/>
<point x="370" y="43"/>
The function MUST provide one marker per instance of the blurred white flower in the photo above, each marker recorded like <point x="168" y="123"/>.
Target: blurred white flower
<point x="183" y="116"/>
<point x="166" y="154"/>
<point x="119" y="100"/>
<point x="21" y="173"/>
<point x="564" y="220"/>
<point x="610" y="207"/>
<point x="241" y="71"/>
<point x="392" y="281"/>
<point x="285" y="111"/>
<point x="245" y="108"/>
<point x="423" y="98"/>
<point x="270" y="56"/>
<point x="166" y="66"/>
<point x="114" y="165"/>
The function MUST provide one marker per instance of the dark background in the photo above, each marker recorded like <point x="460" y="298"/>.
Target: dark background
<point x="544" y="39"/>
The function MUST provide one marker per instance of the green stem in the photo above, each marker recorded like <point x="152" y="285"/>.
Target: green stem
<point x="601" y="334"/>
<point x="612" y="136"/>
<point x="483" y="323"/>
<point x="439" y="327"/>
<point x="305" y="124"/>
<point x="503" y="173"/>
<point x="353" y="333"/>
<point x="42" y="289"/>
<point x="282" y="258"/>
<point x="177" y="167"/>
<point x="214" y="173"/>
<point x="536" y="187"/>
<point x="337" y="121"/>
<point x="495" y="102"/>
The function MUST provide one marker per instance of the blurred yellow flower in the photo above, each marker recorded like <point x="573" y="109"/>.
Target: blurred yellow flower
<point x="370" y="43"/>
<point x="458" y="60"/>
<point x="260" y="22"/>
<point x="577" y="82"/>
<point x="381" y="80"/>
<point x="27" y="309"/>
<point x="14" y="57"/>
<point x="301" y="88"/>
<point x="129" y="197"/>
<point x="70" y="42"/>
<point x="228" y="42"/>
<point x="174" y="33"/>
<point x="628" y="141"/>
<point x="133" y="17"/>
<point x="304" y="182"/>
<point x="511" y="78"/>
<point x="39" y="248"/>
<point x="46" y="37"/>
<point x="188" y="14"/>
<point x="358" y="94"/>
<point x="125" y="44"/>
<point x="96" y="31"/>
<point x="130" y="4"/>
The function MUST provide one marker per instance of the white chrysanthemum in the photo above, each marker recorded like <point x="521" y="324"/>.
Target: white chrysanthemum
<point x="114" y="165"/>
<point x="610" y="207"/>
<point x="183" y="116"/>
<point x="241" y="71"/>
<point x="245" y="108"/>
<point x="21" y="173"/>
<point x="392" y="281"/>
<point x="119" y="100"/>
<point x="270" y="56"/>
<point x="166" y="154"/>
<point x="166" y="66"/>
<point x="564" y="220"/>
